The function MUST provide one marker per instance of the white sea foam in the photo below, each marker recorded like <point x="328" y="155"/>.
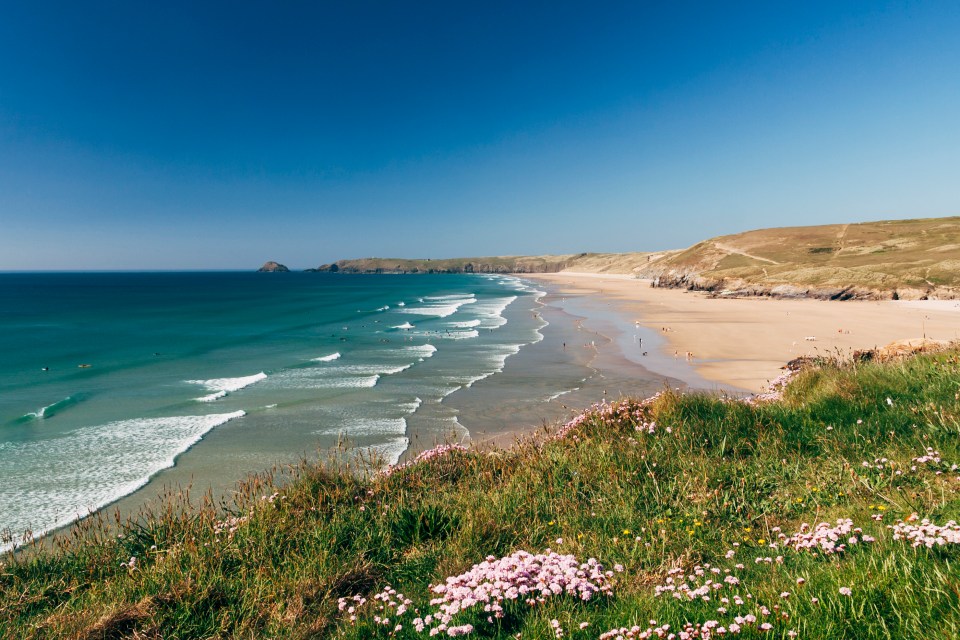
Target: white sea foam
<point x="497" y="357"/>
<point x="405" y="325"/>
<point x="450" y="334"/>
<point x="441" y="306"/>
<point x="298" y="380"/>
<point x="389" y="452"/>
<point x="383" y="308"/>
<point x="456" y="386"/>
<point x="421" y="351"/>
<point x="412" y="407"/>
<point x="51" y="409"/>
<point x="465" y="324"/>
<point x="357" y="382"/>
<point x="538" y="335"/>
<point x="391" y="431"/>
<point x="459" y="335"/>
<point x="491" y="311"/>
<point x="212" y="397"/>
<point x="366" y="427"/>
<point x="40" y="413"/>
<point x="348" y="376"/>
<point x="562" y="393"/>
<point x="223" y="386"/>
<point x="329" y="358"/>
<point x="93" y="467"/>
<point x="401" y="304"/>
<point x="368" y="369"/>
<point x="447" y="297"/>
<point x="483" y="376"/>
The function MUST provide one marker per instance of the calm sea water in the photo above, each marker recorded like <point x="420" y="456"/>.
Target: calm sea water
<point x="105" y="379"/>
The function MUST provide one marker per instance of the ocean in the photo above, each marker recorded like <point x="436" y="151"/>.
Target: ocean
<point x="107" y="379"/>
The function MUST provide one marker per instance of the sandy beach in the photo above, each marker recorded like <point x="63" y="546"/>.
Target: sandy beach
<point x="742" y="343"/>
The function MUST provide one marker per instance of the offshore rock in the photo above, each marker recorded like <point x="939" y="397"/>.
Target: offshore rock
<point x="272" y="267"/>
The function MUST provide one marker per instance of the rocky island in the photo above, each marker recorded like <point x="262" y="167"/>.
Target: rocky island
<point x="273" y="267"/>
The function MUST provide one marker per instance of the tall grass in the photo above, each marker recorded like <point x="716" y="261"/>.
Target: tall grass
<point x="664" y="490"/>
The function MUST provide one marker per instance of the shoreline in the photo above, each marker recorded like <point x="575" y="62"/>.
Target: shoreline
<point x="623" y="337"/>
<point x="743" y="343"/>
<point x="488" y="415"/>
<point x="579" y="352"/>
<point x="539" y="386"/>
<point x="611" y="328"/>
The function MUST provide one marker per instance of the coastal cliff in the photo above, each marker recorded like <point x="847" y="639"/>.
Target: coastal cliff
<point x="898" y="259"/>
<point x="500" y="264"/>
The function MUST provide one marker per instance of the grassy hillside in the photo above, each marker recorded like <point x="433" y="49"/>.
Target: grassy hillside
<point x="914" y="258"/>
<point x="702" y="512"/>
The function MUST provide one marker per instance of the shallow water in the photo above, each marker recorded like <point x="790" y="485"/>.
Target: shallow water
<point x="201" y="379"/>
<point x="107" y="379"/>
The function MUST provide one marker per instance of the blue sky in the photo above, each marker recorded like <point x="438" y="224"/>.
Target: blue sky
<point x="219" y="135"/>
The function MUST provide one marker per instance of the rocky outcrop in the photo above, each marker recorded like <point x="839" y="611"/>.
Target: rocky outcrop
<point x="272" y="267"/>
<point x="735" y="287"/>
<point x="901" y="349"/>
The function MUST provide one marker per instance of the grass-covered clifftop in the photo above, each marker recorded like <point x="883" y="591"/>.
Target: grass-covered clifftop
<point x="702" y="512"/>
<point x="495" y="264"/>
<point x="912" y="258"/>
<point x="588" y="262"/>
<point x="908" y="259"/>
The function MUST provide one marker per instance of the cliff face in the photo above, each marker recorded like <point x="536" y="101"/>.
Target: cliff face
<point x="272" y="267"/>
<point x="898" y="259"/>
<point x="503" y="265"/>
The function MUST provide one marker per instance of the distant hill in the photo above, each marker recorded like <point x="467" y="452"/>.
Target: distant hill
<point x="495" y="264"/>
<point x="907" y="259"/>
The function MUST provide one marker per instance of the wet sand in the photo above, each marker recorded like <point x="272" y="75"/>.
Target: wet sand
<point x="742" y="343"/>
<point x="580" y="361"/>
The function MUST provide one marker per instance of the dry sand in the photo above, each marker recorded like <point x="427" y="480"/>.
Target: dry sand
<point x="744" y="342"/>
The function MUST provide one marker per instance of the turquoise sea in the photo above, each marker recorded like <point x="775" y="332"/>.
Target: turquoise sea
<point x="106" y="378"/>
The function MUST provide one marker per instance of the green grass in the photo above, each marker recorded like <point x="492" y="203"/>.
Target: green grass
<point x="714" y="474"/>
<point x="914" y="257"/>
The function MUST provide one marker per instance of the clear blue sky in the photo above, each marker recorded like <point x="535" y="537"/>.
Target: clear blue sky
<point x="219" y="135"/>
